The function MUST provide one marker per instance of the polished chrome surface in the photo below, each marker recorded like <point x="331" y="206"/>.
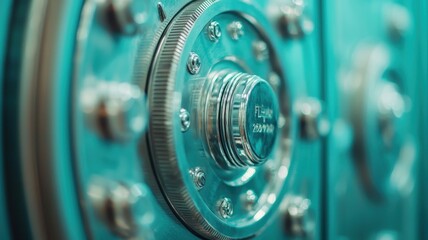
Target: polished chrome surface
<point x="198" y="176"/>
<point x="245" y="119"/>
<point x="194" y="63"/>
<point x="214" y="31"/>
<point x="225" y="208"/>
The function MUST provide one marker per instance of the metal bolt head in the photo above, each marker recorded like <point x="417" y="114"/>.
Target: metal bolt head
<point x="298" y="219"/>
<point x="261" y="50"/>
<point x="398" y="20"/>
<point x="198" y="176"/>
<point x="129" y="15"/>
<point x="391" y="107"/>
<point x="236" y="30"/>
<point x="117" y="111"/>
<point x="293" y="23"/>
<point x="214" y="31"/>
<point x="249" y="200"/>
<point x="194" y="63"/>
<point x="225" y="208"/>
<point x="309" y="111"/>
<point x="185" y="120"/>
<point x="124" y="208"/>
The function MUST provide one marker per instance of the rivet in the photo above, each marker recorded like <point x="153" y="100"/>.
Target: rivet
<point x="225" y="208"/>
<point x="185" y="119"/>
<point x="194" y="63"/>
<point x="214" y="31"/>
<point x="236" y="30"/>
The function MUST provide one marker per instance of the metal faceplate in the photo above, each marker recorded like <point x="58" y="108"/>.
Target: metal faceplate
<point x="219" y="134"/>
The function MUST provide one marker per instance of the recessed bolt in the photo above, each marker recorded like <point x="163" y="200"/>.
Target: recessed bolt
<point x="261" y="50"/>
<point x="185" y="120"/>
<point x="225" y="208"/>
<point x="198" y="176"/>
<point x="214" y="31"/>
<point x="194" y="63"/>
<point x="129" y="15"/>
<point x="236" y="30"/>
<point x="249" y="200"/>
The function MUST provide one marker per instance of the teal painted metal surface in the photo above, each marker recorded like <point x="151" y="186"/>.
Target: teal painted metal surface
<point x="422" y="27"/>
<point x="5" y="9"/>
<point x="14" y="196"/>
<point x="66" y="220"/>
<point x="350" y="206"/>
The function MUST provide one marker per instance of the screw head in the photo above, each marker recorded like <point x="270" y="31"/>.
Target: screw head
<point x="236" y="30"/>
<point x="194" y="63"/>
<point x="261" y="50"/>
<point x="198" y="176"/>
<point x="185" y="120"/>
<point x="225" y="208"/>
<point x="214" y="31"/>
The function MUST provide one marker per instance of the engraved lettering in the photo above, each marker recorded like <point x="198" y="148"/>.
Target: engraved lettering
<point x="263" y="128"/>
<point x="263" y="112"/>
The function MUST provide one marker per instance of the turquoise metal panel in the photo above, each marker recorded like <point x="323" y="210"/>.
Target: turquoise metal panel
<point x="64" y="194"/>
<point x="351" y="213"/>
<point x="5" y="8"/>
<point x="421" y="8"/>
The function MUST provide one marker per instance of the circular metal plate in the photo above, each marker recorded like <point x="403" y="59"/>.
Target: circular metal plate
<point x="217" y="208"/>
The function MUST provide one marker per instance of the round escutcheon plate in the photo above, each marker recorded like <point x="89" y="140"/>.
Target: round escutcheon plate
<point x="220" y="130"/>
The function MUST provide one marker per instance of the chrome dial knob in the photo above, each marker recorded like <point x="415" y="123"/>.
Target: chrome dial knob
<point x="245" y="117"/>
